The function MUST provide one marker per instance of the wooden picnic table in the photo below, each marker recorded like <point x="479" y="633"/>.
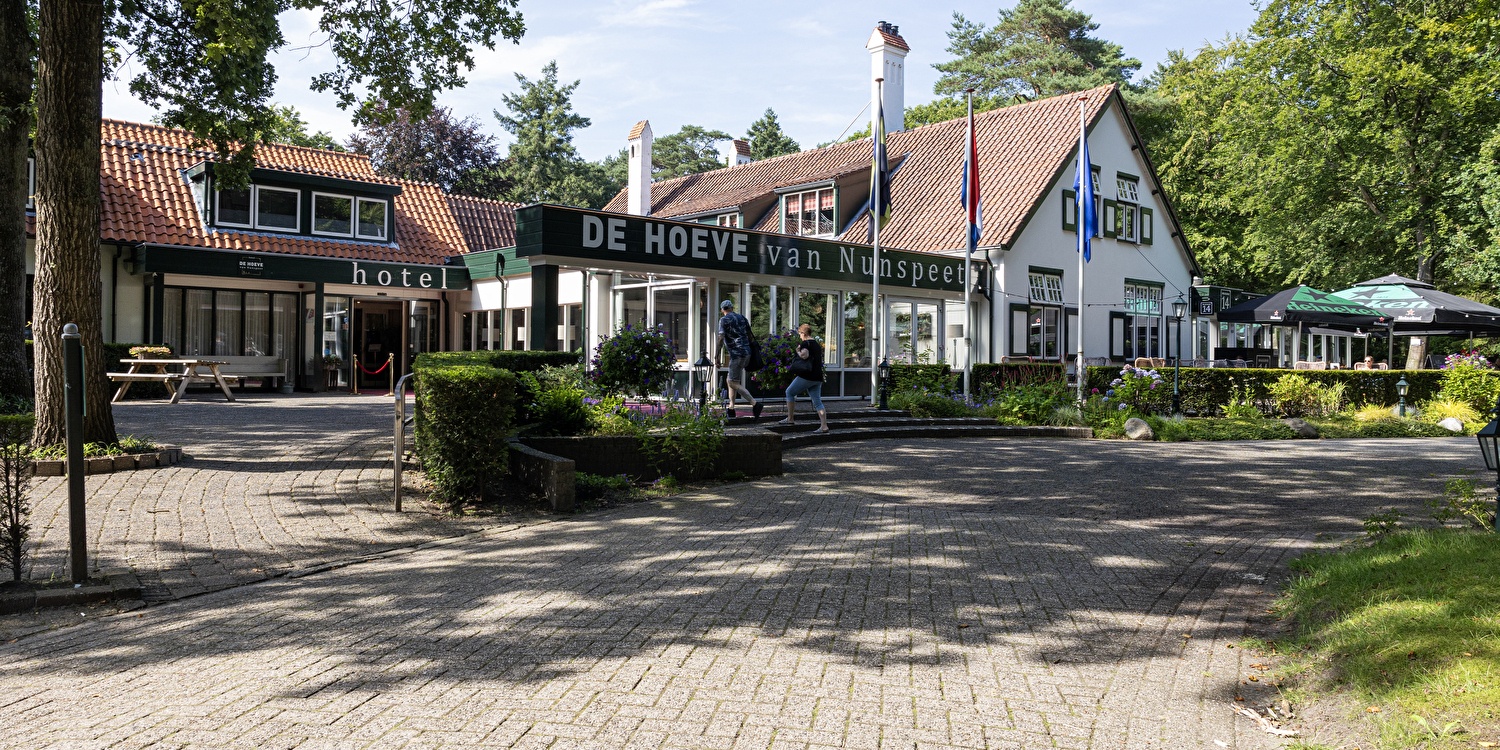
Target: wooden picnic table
<point x="158" y="373"/>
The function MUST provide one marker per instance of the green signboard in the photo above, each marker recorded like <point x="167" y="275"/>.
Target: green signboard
<point x="555" y="231"/>
<point x="276" y="267"/>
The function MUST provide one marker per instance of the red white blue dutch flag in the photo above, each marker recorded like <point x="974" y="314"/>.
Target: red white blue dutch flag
<point x="968" y="193"/>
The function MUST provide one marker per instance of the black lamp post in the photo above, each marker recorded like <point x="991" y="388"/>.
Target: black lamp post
<point x="1179" y="311"/>
<point x="885" y="384"/>
<point x="1401" y="388"/>
<point x="1489" y="447"/>
<point x="703" y="370"/>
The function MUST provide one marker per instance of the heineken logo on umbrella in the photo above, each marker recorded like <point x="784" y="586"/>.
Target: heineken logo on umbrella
<point x="1308" y="299"/>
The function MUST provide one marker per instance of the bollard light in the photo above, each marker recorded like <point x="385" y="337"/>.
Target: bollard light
<point x="703" y="371"/>
<point x="1489" y="447"/>
<point x="1401" y="387"/>
<point x="885" y="384"/>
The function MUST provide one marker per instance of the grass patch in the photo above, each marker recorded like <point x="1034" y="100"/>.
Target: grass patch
<point x="1180" y="430"/>
<point x="1389" y="427"/>
<point x="1410" y="623"/>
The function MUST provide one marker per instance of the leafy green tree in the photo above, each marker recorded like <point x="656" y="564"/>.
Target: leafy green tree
<point x="436" y="147"/>
<point x="767" y="139"/>
<point x="1037" y="49"/>
<point x="688" y="151"/>
<point x="205" y="64"/>
<point x="543" y="165"/>
<point x="287" y="126"/>
<point x="1341" y="132"/>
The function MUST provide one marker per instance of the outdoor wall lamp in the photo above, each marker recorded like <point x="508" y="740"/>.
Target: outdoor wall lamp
<point x="1489" y="447"/>
<point x="1401" y="388"/>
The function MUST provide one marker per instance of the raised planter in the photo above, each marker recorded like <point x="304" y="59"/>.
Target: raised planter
<point x="114" y="585"/>
<point x="753" y="454"/>
<point x="165" y="455"/>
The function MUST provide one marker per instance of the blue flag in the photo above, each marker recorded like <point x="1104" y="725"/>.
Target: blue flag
<point x="1083" y="187"/>
<point x="880" y="176"/>
<point x="968" y="193"/>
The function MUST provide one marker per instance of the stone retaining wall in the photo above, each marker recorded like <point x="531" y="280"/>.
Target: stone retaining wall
<point x="756" y="454"/>
<point x="550" y="476"/>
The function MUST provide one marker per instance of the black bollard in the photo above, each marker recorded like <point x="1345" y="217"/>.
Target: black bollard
<point x="78" y="561"/>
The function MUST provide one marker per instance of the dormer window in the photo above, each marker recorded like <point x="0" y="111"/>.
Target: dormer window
<point x="260" y="207"/>
<point x="372" y="219"/>
<point x="296" y="204"/>
<point x="809" y="214"/>
<point x="729" y="220"/>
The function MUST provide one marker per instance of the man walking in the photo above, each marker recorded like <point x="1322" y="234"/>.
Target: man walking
<point x="734" y="335"/>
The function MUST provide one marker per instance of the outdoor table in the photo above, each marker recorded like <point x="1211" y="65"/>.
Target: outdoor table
<point x="190" y="372"/>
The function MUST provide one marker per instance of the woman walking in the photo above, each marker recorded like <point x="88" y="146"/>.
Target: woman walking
<point x="808" y="369"/>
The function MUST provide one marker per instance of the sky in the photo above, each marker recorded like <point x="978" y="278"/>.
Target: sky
<point x="717" y="64"/>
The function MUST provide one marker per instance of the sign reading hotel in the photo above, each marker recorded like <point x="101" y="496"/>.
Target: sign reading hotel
<point x="572" y="233"/>
<point x="279" y="267"/>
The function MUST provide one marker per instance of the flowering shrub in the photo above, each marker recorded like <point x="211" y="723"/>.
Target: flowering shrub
<point x="634" y="361"/>
<point x="1138" y="390"/>
<point x="777" y="352"/>
<point x="1467" y="378"/>
<point x="1465" y="359"/>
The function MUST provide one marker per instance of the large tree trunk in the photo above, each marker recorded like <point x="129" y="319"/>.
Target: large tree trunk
<point x="1416" y="355"/>
<point x="15" y="128"/>
<point x="69" y="89"/>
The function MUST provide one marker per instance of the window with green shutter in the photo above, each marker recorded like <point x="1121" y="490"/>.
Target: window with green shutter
<point x="1146" y="219"/>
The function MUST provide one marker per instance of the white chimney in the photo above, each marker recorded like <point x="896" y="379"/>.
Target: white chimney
<point x="735" y="152"/>
<point x="888" y="60"/>
<point x="638" y="188"/>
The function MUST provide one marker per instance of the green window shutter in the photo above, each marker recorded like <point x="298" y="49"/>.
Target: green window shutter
<point x="1019" y="328"/>
<point x="1145" y="227"/>
<point x="1070" y="211"/>
<point x="1111" y="218"/>
<point x="1116" y="335"/>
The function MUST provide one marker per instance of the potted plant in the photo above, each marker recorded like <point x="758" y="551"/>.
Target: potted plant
<point x="332" y="362"/>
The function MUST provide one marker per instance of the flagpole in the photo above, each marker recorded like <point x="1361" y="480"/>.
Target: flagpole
<point x="877" y="327"/>
<point x="970" y="179"/>
<point x="1083" y="227"/>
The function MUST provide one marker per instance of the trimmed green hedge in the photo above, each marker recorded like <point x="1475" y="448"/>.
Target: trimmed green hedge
<point x="504" y="359"/>
<point x="1011" y="374"/>
<point x="938" y="377"/>
<point x="463" y="417"/>
<point x="1206" y="390"/>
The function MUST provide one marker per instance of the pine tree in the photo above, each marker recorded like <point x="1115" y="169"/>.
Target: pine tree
<point x="542" y="119"/>
<point x="1039" y="48"/>
<point x="767" y="139"/>
<point x="688" y="151"/>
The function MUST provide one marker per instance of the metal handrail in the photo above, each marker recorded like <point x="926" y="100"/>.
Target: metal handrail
<point x="398" y="393"/>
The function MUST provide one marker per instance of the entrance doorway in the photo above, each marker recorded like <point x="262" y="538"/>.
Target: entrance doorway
<point x="377" y="326"/>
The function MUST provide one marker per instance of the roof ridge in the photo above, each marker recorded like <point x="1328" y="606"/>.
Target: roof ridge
<point x="496" y="201"/>
<point x="194" y="136"/>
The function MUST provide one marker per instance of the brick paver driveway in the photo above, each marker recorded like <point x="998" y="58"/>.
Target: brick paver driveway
<point x="272" y="484"/>
<point x="989" y="593"/>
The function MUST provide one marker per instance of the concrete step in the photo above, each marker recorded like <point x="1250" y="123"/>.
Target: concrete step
<point x="804" y="411"/>
<point x="850" y="433"/>
<point x="807" y="422"/>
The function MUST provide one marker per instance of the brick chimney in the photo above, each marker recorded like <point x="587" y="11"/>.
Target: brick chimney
<point x="638" y="187"/>
<point x="888" y="60"/>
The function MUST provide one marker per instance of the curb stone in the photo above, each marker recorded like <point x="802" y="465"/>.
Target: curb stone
<point x="117" y="584"/>
<point x="165" y="455"/>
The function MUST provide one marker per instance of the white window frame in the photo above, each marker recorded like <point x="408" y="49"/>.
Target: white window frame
<point x="218" y="216"/>
<point x="1045" y="288"/>
<point x="255" y="204"/>
<point x="731" y="221"/>
<point x="384" y="225"/>
<point x="1143" y="299"/>
<point x="353" y="214"/>
<point x="1128" y="204"/>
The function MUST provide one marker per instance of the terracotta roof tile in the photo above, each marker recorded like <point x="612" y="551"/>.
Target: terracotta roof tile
<point x="1021" y="149"/>
<point x="894" y="40"/>
<point x="146" y="200"/>
<point x="636" y="131"/>
<point x="486" y="224"/>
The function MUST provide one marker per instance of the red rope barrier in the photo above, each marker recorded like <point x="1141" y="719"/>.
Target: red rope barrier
<point x="368" y="371"/>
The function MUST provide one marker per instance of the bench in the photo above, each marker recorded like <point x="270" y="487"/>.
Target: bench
<point x="241" y="369"/>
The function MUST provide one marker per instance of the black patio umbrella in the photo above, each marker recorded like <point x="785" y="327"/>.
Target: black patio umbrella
<point x="1303" y="305"/>
<point x="1417" y="307"/>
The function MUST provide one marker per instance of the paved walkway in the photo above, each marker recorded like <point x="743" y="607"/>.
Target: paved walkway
<point x="989" y="593"/>
<point x="273" y="484"/>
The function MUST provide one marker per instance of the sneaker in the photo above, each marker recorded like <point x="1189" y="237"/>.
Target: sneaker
<point x="755" y="410"/>
<point x="730" y="412"/>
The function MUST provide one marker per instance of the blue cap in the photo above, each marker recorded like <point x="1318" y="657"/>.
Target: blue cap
<point x="726" y="304"/>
